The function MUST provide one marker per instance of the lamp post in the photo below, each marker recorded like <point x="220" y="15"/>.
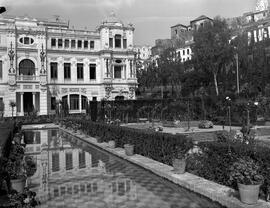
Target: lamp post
<point x="237" y="71"/>
<point x="248" y="120"/>
<point x="256" y="103"/>
<point x="188" y="114"/>
<point x="228" y="99"/>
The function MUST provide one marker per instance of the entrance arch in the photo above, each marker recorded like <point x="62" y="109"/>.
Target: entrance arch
<point x="120" y="97"/>
<point x="27" y="67"/>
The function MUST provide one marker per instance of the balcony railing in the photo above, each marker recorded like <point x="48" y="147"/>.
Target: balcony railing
<point x="27" y="78"/>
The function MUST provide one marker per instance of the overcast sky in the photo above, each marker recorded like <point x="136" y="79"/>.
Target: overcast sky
<point x="152" y="18"/>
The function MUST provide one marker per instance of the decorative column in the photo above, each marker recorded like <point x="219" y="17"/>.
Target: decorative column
<point x="80" y="102"/>
<point x="34" y="100"/>
<point x="22" y="110"/>
<point x="131" y="68"/>
<point x="68" y="100"/>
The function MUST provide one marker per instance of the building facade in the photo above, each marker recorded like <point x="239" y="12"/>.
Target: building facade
<point x="43" y="62"/>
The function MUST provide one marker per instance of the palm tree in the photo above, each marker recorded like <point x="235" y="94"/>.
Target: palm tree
<point x="12" y="104"/>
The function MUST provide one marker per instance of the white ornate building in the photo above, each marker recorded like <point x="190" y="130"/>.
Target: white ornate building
<point x="44" y="61"/>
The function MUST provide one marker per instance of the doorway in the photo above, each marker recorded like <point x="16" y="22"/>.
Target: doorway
<point x="28" y="102"/>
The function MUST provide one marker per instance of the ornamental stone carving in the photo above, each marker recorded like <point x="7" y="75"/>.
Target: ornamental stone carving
<point x="12" y="79"/>
<point x="42" y="60"/>
<point x="43" y="80"/>
<point x="11" y="55"/>
<point x="132" y="92"/>
<point x="108" y="90"/>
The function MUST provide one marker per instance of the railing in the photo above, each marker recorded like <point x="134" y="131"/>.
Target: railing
<point x="30" y="78"/>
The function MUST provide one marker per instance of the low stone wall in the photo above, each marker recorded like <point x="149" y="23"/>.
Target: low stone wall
<point x="224" y="195"/>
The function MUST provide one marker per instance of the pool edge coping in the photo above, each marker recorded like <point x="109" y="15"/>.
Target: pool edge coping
<point x="214" y="191"/>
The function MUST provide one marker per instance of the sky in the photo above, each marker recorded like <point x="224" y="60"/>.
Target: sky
<point x="152" y="18"/>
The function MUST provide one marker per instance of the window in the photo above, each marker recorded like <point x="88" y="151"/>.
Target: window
<point x="184" y="52"/>
<point x="53" y="70"/>
<point x="79" y="44"/>
<point x="187" y="51"/>
<point x="117" y="72"/>
<point x="26" y="40"/>
<point x="67" y="71"/>
<point x="74" y="102"/>
<point x="66" y="43"/>
<point x="82" y="159"/>
<point x="1" y="69"/>
<point x="117" y="41"/>
<point x="53" y="103"/>
<point x="92" y="44"/>
<point x="111" y="43"/>
<point x="92" y="69"/>
<point x="60" y="43"/>
<point x="85" y="44"/>
<point x="84" y="102"/>
<point x="73" y="43"/>
<point x="176" y="32"/>
<point x="53" y="42"/>
<point x="55" y="162"/>
<point x="80" y="71"/>
<point x="125" y="43"/>
<point x="69" y="162"/>
<point x="94" y="98"/>
<point x="179" y="54"/>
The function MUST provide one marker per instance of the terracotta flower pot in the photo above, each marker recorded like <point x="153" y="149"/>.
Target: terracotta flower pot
<point x="179" y="165"/>
<point x="129" y="149"/>
<point x="111" y="144"/>
<point x="249" y="194"/>
<point x="18" y="184"/>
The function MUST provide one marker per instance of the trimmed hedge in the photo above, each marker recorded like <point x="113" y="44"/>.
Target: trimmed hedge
<point x="158" y="146"/>
<point x="6" y="134"/>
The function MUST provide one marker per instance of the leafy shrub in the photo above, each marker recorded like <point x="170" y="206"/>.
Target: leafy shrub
<point x="245" y="171"/>
<point x="206" y="124"/>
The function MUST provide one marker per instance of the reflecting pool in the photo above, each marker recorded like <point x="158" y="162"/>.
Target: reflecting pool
<point x="73" y="173"/>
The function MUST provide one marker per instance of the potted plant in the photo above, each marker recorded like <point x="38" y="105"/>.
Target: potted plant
<point x="111" y="144"/>
<point x="180" y="156"/>
<point x="245" y="171"/>
<point x="179" y="161"/>
<point x="129" y="149"/>
<point x="17" y="173"/>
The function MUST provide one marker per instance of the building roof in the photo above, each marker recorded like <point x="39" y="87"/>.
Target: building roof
<point x="179" y="25"/>
<point x="202" y="17"/>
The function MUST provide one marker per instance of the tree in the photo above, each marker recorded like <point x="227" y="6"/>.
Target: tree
<point x="212" y="51"/>
<point x="165" y="72"/>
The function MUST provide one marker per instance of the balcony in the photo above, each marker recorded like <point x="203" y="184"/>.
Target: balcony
<point x="27" y="78"/>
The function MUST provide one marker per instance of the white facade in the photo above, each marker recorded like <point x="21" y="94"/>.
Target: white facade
<point x="185" y="53"/>
<point x="46" y="61"/>
<point x="143" y="52"/>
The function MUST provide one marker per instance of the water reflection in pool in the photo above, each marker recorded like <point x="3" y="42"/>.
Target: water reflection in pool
<point x="72" y="173"/>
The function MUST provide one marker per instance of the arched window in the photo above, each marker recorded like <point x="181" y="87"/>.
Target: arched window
<point x="26" y="67"/>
